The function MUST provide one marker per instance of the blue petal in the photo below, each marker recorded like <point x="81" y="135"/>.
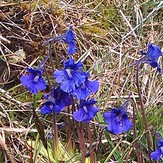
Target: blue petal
<point x="33" y="81"/>
<point x="87" y="117"/>
<point x="37" y="71"/>
<point x="69" y="35"/>
<point x="32" y="89"/>
<point x="79" y="115"/>
<point x="117" y="121"/>
<point x="69" y="63"/>
<point x="40" y="85"/>
<point x="126" y="124"/>
<point x="114" y="127"/>
<point x="81" y="93"/>
<point x="78" y="78"/>
<point x="59" y="97"/>
<point x="85" y="111"/>
<point x="153" y="52"/>
<point x="57" y="109"/>
<point x="60" y="76"/>
<point x="26" y="80"/>
<point x="151" y="56"/>
<point x="45" y="109"/>
<point x="155" y="155"/>
<point x="160" y="142"/>
<point x="108" y="117"/>
<point x="153" y="64"/>
<point x="92" y="85"/>
<point x="71" y="49"/>
<point x="68" y="86"/>
<point x="90" y="114"/>
<point x="92" y="110"/>
<point x="65" y="99"/>
<point x="87" y="103"/>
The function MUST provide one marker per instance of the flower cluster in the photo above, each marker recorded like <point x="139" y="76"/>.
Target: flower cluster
<point x="73" y="85"/>
<point x="73" y="80"/>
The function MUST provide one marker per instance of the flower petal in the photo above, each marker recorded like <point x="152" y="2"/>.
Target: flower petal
<point x="57" y="109"/>
<point x="126" y="124"/>
<point x="68" y="86"/>
<point x="155" y="155"/>
<point x="153" y="52"/>
<point x="92" y="85"/>
<point x="45" y="109"/>
<point x="26" y="80"/>
<point x="40" y="85"/>
<point x="71" y="49"/>
<point x="60" y="76"/>
<point x="81" y="93"/>
<point x="114" y="127"/>
<point x="79" y="115"/>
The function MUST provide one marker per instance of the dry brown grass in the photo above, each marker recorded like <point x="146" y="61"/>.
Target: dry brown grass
<point x="109" y="36"/>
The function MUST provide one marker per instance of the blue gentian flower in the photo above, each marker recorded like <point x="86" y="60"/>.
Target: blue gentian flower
<point x="85" y="111"/>
<point x="56" y="100"/>
<point x="68" y="38"/>
<point x="151" y="56"/>
<point x="33" y="81"/>
<point x="117" y="119"/>
<point x="72" y="76"/>
<point x="86" y="88"/>
<point x="158" y="153"/>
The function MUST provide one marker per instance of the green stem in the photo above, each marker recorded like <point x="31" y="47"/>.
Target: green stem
<point x="144" y="119"/>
